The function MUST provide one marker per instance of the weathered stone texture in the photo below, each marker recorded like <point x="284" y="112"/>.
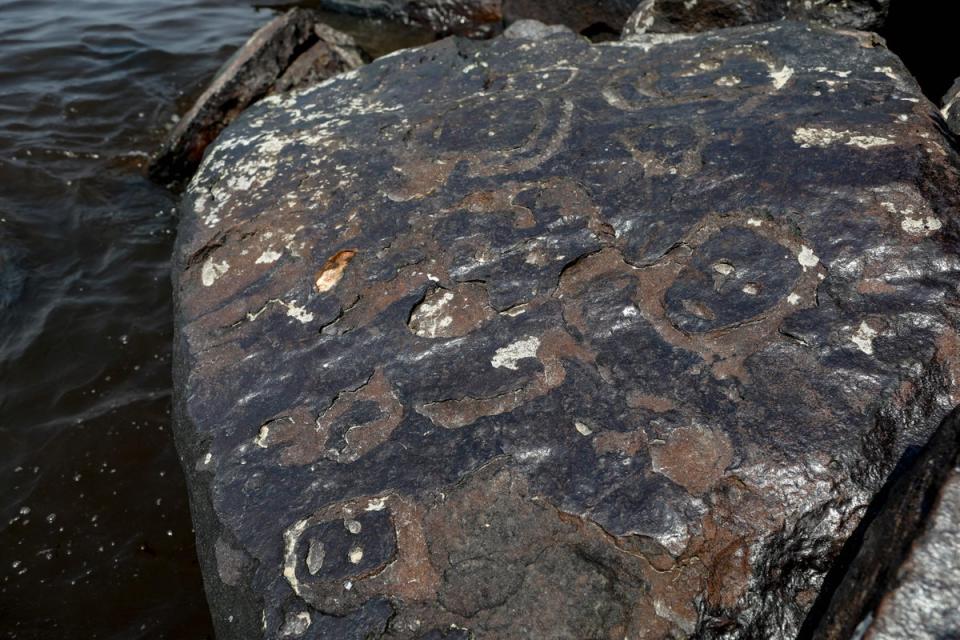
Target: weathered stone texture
<point x="462" y="17"/>
<point x="904" y="582"/>
<point x="549" y="339"/>
<point x="669" y="16"/>
<point x="951" y="108"/>
<point x="293" y="50"/>
<point x="582" y="17"/>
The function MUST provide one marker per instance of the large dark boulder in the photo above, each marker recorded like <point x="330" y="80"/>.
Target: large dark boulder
<point x="669" y="16"/>
<point x="291" y="51"/>
<point x="904" y="582"/>
<point x="544" y="339"/>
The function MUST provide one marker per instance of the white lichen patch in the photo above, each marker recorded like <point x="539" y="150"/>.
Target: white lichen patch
<point x="507" y="357"/>
<point x="212" y="271"/>
<point x="262" y="437"/>
<point x="537" y="454"/>
<point x="823" y="137"/>
<point x="290" y="538"/>
<point x="298" y="313"/>
<point x="432" y="316"/>
<point x="921" y="226"/>
<point x="807" y="258"/>
<point x="793" y="299"/>
<point x="353" y="526"/>
<point x="296" y="624"/>
<point x="781" y="76"/>
<point x="376" y="504"/>
<point x="268" y="257"/>
<point x="355" y="555"/>
<point x="863" y="338"/>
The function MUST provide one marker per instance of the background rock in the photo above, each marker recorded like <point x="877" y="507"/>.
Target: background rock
<point x="471" y="18"/>
<point x="671" y="16"/>
<point x="550" y="339"/>
<point x="951" y="108"/>
<point x="594" y="18"/>
<point x="292" y="50"/>
<point x="534" y="30"/>
<point x="905" y="579"/>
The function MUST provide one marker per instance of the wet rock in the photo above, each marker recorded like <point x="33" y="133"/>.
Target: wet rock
<point x="951" y="108"/>
<point x="904" y="582"/>
<point x="524" y="338"/>
<point x="594" y="18"/>
<point x="293" y="50"/>
<point x="673" y="16"/>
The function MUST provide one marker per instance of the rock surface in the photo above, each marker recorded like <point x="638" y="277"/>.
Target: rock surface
<point x="951" y="108"/>
<point x="669" y="16"/>
<point x="549" y="339"/>
<point x="905" y="581"/>
<point x="473" y="18"/>
<point x="592" y="18"/>
<point x="293" y="50"/>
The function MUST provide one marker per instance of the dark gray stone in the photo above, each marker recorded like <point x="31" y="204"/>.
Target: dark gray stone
<point x="671" y="16"/>
<point x="291" y="51"/>
<point x="472" y="18"/>
<point x="951" y="108"/>
<point x="904" y="583"/>
<point x="557" y="340"/>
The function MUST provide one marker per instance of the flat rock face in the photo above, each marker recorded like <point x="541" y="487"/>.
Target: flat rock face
<point x="923" y="605"/>
<point x="904" y="581"/>
<point x="549" y="339"/>
<point x="669" y="16"/>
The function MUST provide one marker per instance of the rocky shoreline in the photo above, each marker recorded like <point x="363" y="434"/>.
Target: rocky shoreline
<point x="534" y="336"/>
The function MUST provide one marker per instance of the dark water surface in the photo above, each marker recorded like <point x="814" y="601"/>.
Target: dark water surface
<point x="95" y="536"/>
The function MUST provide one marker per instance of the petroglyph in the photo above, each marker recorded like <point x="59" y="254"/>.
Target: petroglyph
<point x="550" y="350"/>
<point x="524" y="314"/>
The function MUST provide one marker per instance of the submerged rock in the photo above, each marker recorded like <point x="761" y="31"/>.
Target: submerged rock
<point x="293" y="50"/>
<point x="539" y="338"/>
<point x="670" y="16"/>
<point x="11" y="275"/>
<point x="905" y="581"/>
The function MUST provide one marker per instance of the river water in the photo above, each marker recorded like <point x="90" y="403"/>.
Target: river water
<point x="95" y="534"/>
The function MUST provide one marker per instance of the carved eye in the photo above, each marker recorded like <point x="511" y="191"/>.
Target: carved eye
<point x="732" y="277"/>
